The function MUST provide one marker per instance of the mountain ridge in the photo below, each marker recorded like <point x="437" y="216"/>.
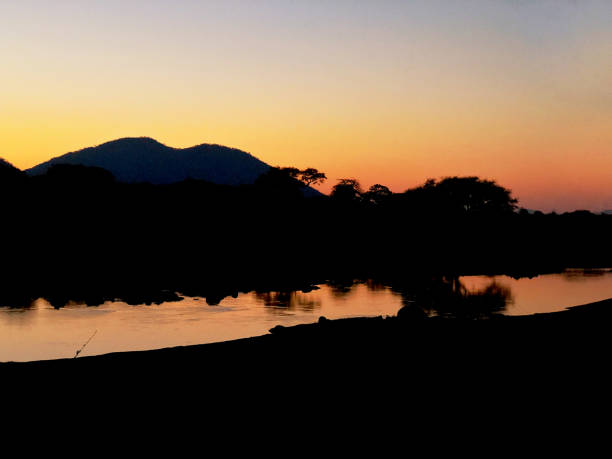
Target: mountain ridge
<point x="146" y="160"/>
<point x="5" y="165"/>
<point x="9" y="173"/>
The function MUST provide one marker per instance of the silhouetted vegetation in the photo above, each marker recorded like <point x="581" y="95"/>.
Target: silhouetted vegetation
<point x="307" y="177"/>
<point x="347" y="192"/>
<point x="76" y="233"/>
<point x="463" y="196"/>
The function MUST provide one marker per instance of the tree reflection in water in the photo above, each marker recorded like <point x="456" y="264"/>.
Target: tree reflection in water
<point x="449" y="297"/>
<point x="341" y="287"/>
<point x="581" y="275"/>
<point x="289" y="300"/>
<point x="375" y="285"/>
<point x="444" y="296"/>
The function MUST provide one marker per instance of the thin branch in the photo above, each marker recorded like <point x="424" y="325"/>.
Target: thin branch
<point x="86" y="343"/>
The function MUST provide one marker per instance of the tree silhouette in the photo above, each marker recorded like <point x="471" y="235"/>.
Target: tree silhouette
<point x="377" y="194"/>
<point x="347" y="190"/>
<point x="464" y="195"/>
<point x="308" y="177"/>
<point x="312" y="176"/>
<point x="292" y="172"/>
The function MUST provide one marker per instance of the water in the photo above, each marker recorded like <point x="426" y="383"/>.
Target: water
<point x="549" y="292"/>
<point x="42" y="332"/>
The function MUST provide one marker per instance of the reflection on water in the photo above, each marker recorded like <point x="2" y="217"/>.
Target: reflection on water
<point x="341" y="287"/>
<point x="44" y="332"/>
<point x="549" y="292"/>
<point x="289" y="300"/>
<point x="41" y="331"/>
<point x="450" y="297"/>
<point x="580" y="275"/>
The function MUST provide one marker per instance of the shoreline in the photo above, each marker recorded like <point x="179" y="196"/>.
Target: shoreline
<point x="332" y="333"/>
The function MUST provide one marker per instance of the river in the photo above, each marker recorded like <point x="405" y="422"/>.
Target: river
<point x="41" y="331"/>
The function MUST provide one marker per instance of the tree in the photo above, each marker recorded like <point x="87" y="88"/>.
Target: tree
<point x="308" y="177"/>
<point x="311" y="176"/>
<point x="292" y="172"/>
<point x="377" y="194"/>
<point x="347" y="190"/>
<point x="470" y="195"/>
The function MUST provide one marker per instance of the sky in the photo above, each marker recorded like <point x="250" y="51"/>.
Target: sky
<point x="390" y="92"/>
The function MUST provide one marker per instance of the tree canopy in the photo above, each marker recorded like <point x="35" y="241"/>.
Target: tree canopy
<point x="470" y="195"/>
<point x="377" y="194"/>
<point x="347" y="190"/>
<point x="309" y="176"/>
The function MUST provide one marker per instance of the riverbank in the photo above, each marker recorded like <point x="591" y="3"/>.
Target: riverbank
<point x="361" y="346"/>
<point x="404" y="378"/>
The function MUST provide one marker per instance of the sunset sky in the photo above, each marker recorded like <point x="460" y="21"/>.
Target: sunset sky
<point x="389" y="92"/>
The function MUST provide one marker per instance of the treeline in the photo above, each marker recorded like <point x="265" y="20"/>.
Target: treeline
<point x="76" y="233"/>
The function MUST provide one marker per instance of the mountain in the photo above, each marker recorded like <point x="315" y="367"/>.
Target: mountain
<point x="8" y="171"/>
<point x="6" y="166"/>
<point x="142" y="159"/>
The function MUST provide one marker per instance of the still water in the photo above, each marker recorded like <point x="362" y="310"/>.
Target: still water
<point x="43" y="332"/>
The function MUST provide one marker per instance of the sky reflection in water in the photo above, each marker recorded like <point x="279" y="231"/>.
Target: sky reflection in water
<point x="42" y="332"/>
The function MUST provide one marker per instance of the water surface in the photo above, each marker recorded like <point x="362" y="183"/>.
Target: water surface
<point x="43" y="332"/>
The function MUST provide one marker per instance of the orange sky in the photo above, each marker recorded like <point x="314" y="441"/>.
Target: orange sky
<point x="387" y="92"/>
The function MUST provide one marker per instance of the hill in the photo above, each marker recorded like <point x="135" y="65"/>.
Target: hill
<point x="5" y="166"/>
<point x="8" y="172"/>
<point x="142" y="159"/>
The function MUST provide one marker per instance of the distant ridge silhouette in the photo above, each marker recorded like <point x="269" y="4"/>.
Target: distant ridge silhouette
<point x="8" y="172"/>
<point x="6" y="166"/>
<point x="145" y="160"/>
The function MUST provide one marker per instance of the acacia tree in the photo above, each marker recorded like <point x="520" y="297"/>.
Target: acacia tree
<point x="292" y="172"/>
<point x="347" y="190"/>
<point x="308" y="177"/>
<point x="312" y="176"/>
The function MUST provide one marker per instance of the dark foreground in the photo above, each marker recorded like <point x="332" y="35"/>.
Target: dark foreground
<point x="445" y="384"/>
